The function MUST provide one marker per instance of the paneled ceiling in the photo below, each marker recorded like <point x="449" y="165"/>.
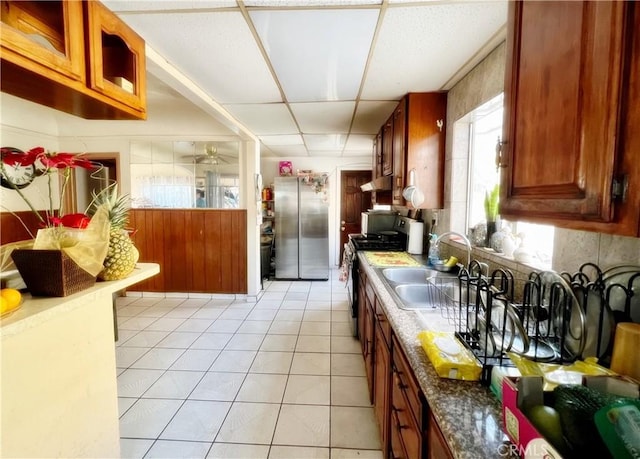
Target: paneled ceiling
<point x="316" y="78"/>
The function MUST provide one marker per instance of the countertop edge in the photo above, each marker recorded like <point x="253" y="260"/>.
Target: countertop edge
<point x="34" y="311"/>
<point x="468" y="414"/>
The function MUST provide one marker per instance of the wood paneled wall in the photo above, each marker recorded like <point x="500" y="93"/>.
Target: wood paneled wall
<point x="199" y="250"/>
<point x="12" y="230"/>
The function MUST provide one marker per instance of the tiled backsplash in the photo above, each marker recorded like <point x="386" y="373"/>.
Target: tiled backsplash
<point x="493" y="260"/>
<point x="571" y="250"/>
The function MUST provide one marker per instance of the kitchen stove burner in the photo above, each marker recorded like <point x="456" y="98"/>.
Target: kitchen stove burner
<point x="385" y="242"/>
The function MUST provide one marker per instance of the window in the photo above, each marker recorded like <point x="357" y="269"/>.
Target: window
<point x="485" y="128"/>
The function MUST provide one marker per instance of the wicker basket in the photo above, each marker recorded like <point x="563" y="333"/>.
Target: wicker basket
<point x="50" y="272"/>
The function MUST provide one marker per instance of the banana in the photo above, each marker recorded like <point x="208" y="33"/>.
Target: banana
<point x="451" y="262"/>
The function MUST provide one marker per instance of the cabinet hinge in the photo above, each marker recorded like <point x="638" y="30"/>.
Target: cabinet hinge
<point x="619" y="188"/>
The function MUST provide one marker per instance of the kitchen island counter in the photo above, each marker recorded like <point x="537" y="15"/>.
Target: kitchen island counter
<point x="468" y="413"/>
<point x="59" y="391"/>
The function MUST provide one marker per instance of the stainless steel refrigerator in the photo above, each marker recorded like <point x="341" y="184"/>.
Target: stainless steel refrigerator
<point x="301" y="229"/>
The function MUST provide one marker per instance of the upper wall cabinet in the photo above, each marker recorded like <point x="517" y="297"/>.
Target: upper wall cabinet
<point x="77" y="57"/>
<point x="568" y="147"/>
<point x="117" y="67"/>
<point x="418" y="145"/>
<point x="387" y="147"/>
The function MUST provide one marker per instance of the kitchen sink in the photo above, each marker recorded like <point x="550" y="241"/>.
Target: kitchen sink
<point x="409" y="275"/>
<point x="418" y="296"/>
<point x="436" y="293"/>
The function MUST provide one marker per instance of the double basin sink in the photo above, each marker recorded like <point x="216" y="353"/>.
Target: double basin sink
<point x="418" y="288"/>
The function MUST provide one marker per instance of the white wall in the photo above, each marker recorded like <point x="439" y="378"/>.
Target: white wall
<point x="25" y="125"/>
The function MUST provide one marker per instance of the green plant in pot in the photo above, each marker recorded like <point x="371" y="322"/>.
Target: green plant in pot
<point x="491" y="200"/>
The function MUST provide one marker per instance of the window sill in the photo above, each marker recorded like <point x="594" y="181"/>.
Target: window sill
<point x="494" y="259"/>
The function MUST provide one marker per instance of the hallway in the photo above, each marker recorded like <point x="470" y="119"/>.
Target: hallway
<point x="218" y="378"/>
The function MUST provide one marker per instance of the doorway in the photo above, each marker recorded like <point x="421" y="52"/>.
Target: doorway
<point x="353" y="201"/>
<point x="85" y="181"/>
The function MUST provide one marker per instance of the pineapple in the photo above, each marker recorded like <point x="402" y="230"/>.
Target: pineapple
<point x="122" y="254"/>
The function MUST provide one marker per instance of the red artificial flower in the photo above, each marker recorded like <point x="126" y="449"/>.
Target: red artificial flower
<point x="11" y="157"/>
<point x="50" y="163"/>
<point x="50" y="160"/>
<point x="75" y="220"/>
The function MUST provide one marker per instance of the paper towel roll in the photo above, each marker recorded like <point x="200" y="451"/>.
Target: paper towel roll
<point x="416" y="233"/>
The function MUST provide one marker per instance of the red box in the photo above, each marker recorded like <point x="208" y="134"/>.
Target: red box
<point x="285" y="168"/>
<point x="527" y="442"/>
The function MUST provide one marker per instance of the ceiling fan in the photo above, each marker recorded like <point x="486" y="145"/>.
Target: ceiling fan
<point x="211" y="157"/>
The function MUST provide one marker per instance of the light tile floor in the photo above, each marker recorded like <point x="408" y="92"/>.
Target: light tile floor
<point x="278" y="378"/>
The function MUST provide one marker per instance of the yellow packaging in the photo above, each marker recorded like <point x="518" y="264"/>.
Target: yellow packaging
<point x="449" y="357"/>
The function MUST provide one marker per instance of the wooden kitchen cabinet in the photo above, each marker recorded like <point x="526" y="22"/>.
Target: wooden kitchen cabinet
<point x="408" y="429"/>
<point x="376" y="167"/>
<point x="117" y="53"/>
<point x="399" y="155"/>
<point x="418" y="145"/>
<point x="368" y="336"/>
<point x="436" y="445"/>
<point x="47" y="36"/>
<point x="52" y="55"/>
<point x="570" y="141"/>
<point x="382" y="371"/>
<point x="407" y="408"/>
<point x="387" y="147"/>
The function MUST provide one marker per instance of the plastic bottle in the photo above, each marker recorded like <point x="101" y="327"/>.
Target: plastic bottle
<point x="434" y="253"/>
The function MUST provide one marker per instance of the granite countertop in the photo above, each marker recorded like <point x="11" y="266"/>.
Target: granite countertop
<point x="468" y="414"/>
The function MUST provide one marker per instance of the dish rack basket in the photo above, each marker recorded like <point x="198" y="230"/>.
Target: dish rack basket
<point x="490" y="324"/>
<point x="561" y="317"/>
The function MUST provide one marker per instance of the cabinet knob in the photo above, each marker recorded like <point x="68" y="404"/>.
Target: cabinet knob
<point x="343" y="222"/>
<point x="342" y="228"/>
<point x="440" y="124"/>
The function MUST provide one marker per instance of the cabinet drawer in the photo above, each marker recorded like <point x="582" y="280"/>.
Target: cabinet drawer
<point x="405" y="382"/>
<point x="404" y="423"/>
<point x="396" y="447"/>
<point x="385" y="326"/>
<point x="371" y="294"/>
<point x="436" y="443"/>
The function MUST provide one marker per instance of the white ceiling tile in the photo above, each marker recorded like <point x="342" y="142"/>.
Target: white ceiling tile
<point x="370" y="115"/>
<point x="318" y="50"/>
<point x="366" y="154"/>
<point x="216" y="49"/>
<point x="325" y="153"/>
<point x="325" y="141"/>
<point x="317" y="54"/>
<point x="323" y="117"/>
<point x="289" y="150"/>
<point x="307" y="3"/>
<point x="165" y="5"/>
<point x="360" y="142"/>
<point x="419" y="48"/>
<point x="282" y="139"/>
<point x="264" y="119"/>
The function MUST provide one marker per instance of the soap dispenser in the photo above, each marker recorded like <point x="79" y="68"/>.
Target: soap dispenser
<point x="434" y="252"/>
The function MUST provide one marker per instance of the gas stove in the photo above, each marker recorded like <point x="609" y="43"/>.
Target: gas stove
<point x="379" y="242"/>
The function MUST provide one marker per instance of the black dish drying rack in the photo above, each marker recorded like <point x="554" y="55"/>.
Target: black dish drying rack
<point x="559" y="318"/>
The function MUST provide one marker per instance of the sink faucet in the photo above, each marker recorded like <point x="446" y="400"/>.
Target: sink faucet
<point x="464" y="238"/>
